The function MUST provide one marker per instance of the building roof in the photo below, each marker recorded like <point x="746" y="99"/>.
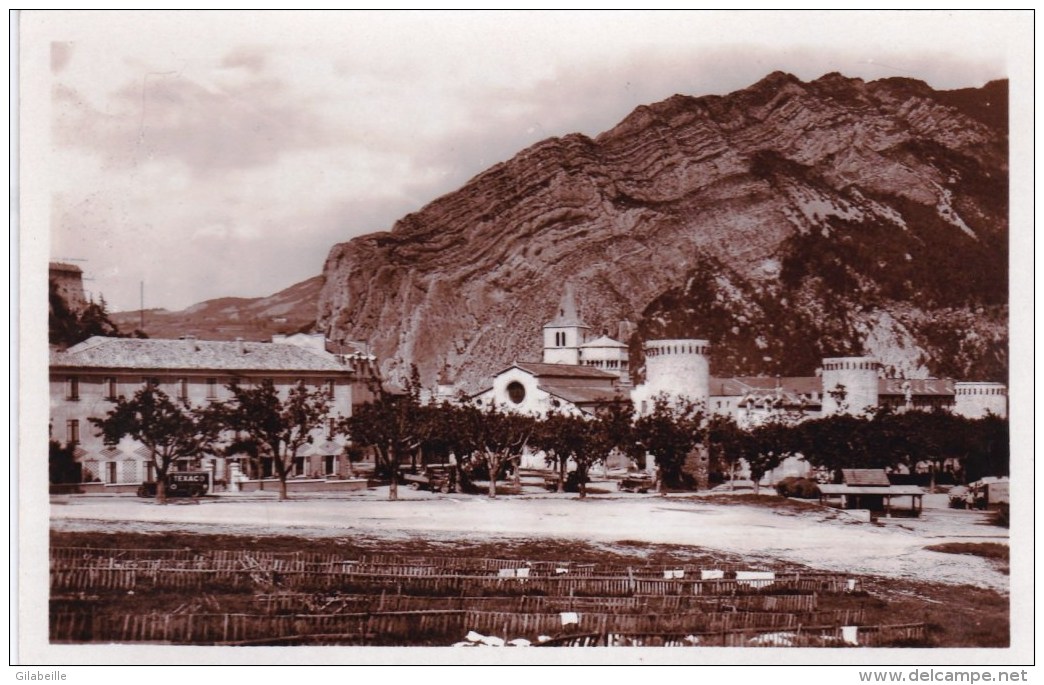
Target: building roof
<point x="604" y="341"/>
<point x="62" y="266"/>
<point x="865" y="477"/>
<point x="581" y="396"/>
<point x="155" y="354"/>
<point x="900" y="490"/>
<point x="540" y="370"/>
<point x="917" y="386"/>
<point x="745" y="385"/>
<point x="566" y="314"/>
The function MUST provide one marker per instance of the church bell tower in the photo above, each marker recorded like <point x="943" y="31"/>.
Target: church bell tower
<point x="564" y="334"/>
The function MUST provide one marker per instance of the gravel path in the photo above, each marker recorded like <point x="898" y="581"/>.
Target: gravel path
<point x="822" y="538"/>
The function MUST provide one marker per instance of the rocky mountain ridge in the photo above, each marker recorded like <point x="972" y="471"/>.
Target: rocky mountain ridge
<point x="784" y="222"/>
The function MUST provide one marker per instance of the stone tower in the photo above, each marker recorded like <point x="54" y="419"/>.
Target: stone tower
<point x="68" y="282"/>
<point x="976" y="399"/>
<point x="676" y="368"/>
<point x="564" y="334"/>
<point x="849" y="384"/>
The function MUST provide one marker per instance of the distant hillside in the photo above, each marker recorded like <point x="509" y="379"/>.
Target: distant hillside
<point x="227" y="318"/>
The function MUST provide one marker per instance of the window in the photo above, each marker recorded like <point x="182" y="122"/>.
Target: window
<point x="72" y="431"/>
<point x="331" y="428"/>
<point x="151" y="382"/>
<point x="183" y="388"/>
<point x="111" y="388"/>
<point x="72" y="388"/>
<point x="516" y="392"/>
<point x="330" y="385"/>
<point x="211" y="388"/>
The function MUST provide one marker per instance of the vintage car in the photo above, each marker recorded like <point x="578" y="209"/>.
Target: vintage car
<point x="636" y="482"/>
<point x="436" y="478"/>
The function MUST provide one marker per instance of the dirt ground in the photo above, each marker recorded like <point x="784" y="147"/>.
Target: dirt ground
<point x="820" y="538"/>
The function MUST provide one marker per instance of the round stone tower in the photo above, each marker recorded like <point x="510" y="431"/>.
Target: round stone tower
<point x="849" y="384"/>
<point x="976" y="399"/>
<point x="677" y="368"/>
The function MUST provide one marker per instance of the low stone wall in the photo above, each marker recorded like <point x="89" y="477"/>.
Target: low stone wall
<point x="109" y="488"/>
<point x="302" y="485"/>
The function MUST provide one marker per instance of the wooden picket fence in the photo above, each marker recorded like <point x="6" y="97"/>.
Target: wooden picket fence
<point x="318" y="598"/>
<point x="90" y="578"/>
<point x="435" y="626"/>
<point x="63" y="558"/>
<point x="294" y="602"/>
<point x="802" y="636"/>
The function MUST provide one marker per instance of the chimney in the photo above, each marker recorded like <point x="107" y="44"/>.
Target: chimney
<point x="190" y="342"/>
<point x="240" y="348"/>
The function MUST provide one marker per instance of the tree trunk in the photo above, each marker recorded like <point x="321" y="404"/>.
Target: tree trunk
<point x="161" y="486"/>
<point x="561" y="474"/>
<point x="581" y="476"/>
<point x="494" y="465"/>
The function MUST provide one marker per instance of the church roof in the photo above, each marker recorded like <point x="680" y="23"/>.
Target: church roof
<point x="581" y="396"/>
<point x="540" y="370"/>
<point x="604" y="341"/>
<point x="566" y="315"/>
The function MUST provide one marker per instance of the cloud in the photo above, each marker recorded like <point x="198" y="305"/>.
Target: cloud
<point x="210" y="128"/>
<point x="252" y="59"/>
<point x="61" y="52"/>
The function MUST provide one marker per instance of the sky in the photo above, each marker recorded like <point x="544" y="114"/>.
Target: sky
<point x="214" y="154"/>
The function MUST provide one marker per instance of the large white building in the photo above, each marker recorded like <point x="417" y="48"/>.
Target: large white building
<point x="87" y="378"/>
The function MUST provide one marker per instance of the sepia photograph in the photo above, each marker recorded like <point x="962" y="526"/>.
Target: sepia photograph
<point x="524" y="338"/>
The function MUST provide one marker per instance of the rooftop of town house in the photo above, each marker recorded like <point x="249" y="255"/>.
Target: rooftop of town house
<point x="604" y="341"/>
<point x="100" y="352"/>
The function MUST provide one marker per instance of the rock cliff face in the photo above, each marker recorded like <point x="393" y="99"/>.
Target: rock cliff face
<point x="783" y="222"/>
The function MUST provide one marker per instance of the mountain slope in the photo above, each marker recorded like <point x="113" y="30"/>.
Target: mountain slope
<point x="783" y="222"/>
<point x="227" y="318"/>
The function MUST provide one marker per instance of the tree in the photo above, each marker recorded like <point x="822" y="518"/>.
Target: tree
<point x="169" y="430"/>
<point x="67" y="327"/>
<point x="727" y="443"/>
<point x="669" y="432"/>
<point x="588" y="440"/>
<point x="491" y="436"/>
<point x="62" y="466"/>
<point x="767" y="445"/>
<point x="990" y="453"/>
<point x="392" y="423"/>
<point x="843" y="441"/>
<point x="268" y="426"/>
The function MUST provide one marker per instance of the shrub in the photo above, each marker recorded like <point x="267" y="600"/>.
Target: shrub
<point x="1001" y="517"/>
<point x="801" y="488"/>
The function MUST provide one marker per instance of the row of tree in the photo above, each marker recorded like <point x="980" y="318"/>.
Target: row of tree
<point x="484" y="442"/>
